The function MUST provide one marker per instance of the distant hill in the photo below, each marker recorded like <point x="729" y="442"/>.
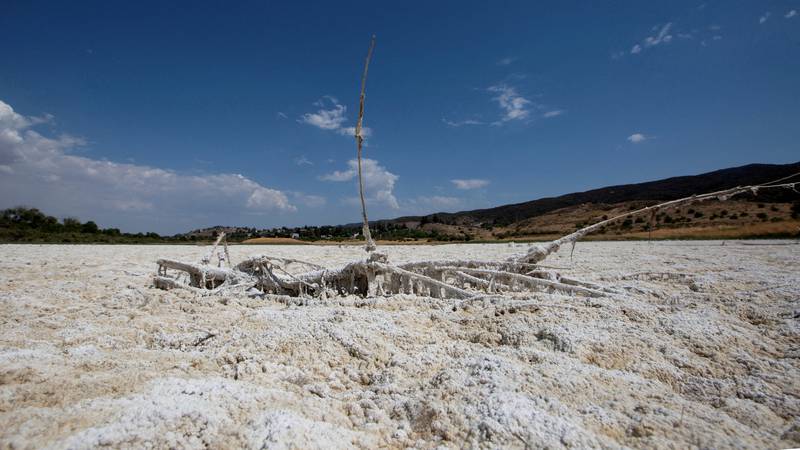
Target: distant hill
<point x="660" y="190"/>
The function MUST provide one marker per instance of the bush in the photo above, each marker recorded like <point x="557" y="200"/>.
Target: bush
<point x="762" y="216"/>
<point x="698" y="215"/>
<point x="89" y="227"/>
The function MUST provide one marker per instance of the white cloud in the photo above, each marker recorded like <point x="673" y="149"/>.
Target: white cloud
<point x="378" y="181"/>
<point x="662" y="37"/>
<point x="764" y="17"/>
<point x="40" y="171"/>
<point x="326" y="119"/>
<point x="265" y="198"/>
<point x="554" y="113"/>
<point x="791" y="14"/>
<point x="461" y="123"/>
<point x="637" y="138"/>
<point x="282" y="115"/>
<point x="331" y="117"/>
<point x="514" y="105"/>
<point x="472" y="183"/>
<point x="506" y="61"/>
<point x="303" y="161"/>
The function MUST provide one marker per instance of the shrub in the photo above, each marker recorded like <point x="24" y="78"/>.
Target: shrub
<point x="762" y="216"/>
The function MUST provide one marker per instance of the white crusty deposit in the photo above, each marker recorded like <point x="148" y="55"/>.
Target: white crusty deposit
<point x="698" y="345"/>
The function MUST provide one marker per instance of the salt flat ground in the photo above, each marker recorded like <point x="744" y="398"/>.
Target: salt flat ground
<point x="705" y="356"/>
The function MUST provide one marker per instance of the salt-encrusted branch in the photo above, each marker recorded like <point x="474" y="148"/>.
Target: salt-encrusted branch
<point x="207" y="258"/>
<point x="540" y="252"/>
<point x="370" y="244"/>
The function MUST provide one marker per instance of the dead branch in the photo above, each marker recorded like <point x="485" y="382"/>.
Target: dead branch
<point x="538" y="253"/>
<point x="370" y="244"/>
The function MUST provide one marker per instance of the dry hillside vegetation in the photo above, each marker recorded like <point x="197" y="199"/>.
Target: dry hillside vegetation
<point x="730" y="219"/>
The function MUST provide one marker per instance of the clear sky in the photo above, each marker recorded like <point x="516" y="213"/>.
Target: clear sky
<point x="169" y="116"/>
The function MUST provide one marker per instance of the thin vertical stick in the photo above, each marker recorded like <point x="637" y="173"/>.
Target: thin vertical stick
<point x="370" y="245"/>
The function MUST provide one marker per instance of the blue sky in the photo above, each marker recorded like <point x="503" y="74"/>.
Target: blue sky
<point x="167" y="117"/>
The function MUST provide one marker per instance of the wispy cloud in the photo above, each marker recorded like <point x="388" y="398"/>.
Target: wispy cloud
<point x="470" y="183"/>
<point x="514" y="105"/>
<point x="378" y="181"/>
<point x="331" y="117"/>
<point x="282" y="115"/>
<point x="506" y="61"/>
<point x="303" y="161"/>
<point x="554" y="113"/>
<point x="638" y="138"/>
<point x="461" y="123"/>
<point x="667" y="33"/>
<point x="662" y="36"/>
<point x="764" y="17"/>
<point x="791" y="14"/>
<point x="43" y="172"/>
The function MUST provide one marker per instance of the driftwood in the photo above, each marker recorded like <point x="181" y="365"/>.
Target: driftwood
<point x="375" y="276"/>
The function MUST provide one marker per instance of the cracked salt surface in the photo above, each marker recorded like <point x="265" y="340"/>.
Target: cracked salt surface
<point x="700" y="350"/>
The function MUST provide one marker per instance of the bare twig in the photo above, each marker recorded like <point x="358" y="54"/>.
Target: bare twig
<point x="370" y="244"/>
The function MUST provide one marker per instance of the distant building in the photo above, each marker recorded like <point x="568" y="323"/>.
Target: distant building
<point x="295" y="235"/>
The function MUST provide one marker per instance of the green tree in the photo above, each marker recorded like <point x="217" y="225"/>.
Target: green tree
<point x="89" y="227"/>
